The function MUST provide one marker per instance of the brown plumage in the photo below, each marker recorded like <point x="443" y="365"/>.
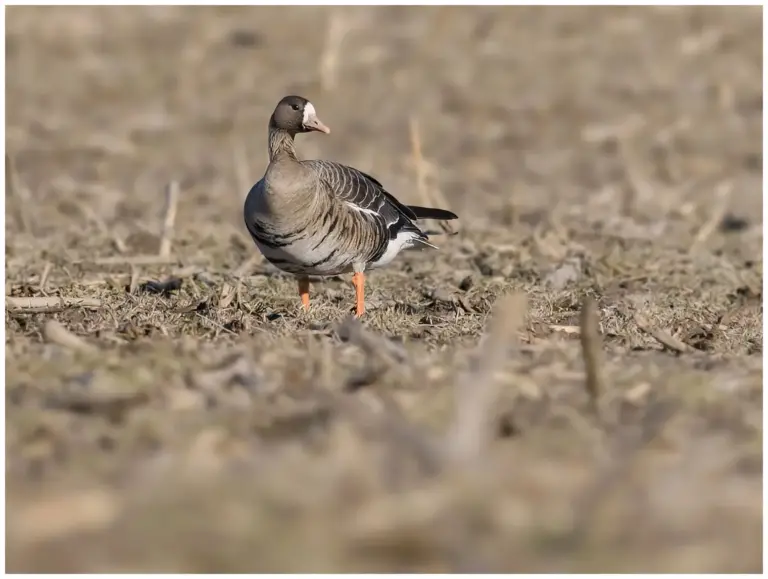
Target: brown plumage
<point x="323" y="218"/>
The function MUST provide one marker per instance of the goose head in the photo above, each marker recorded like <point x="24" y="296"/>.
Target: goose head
<point x="296" y="114"/>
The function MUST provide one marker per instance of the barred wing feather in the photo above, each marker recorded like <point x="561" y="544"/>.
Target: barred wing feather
<point x="364" y="193"/>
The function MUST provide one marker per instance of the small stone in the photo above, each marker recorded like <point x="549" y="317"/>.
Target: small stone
<point x="442" y="295"/>
<point x="466" y="283"/>
<point x="243" y="38"/>
<point x="638" y="393"/>
<point x="567" y="272"/>
<point x="181" y="399"/>
<point x="731" y="223"/>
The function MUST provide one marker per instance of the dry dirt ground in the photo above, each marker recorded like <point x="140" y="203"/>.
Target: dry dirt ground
<point x="186" y="416"/>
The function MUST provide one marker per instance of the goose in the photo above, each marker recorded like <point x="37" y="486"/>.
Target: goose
<point x="323" y="218"/>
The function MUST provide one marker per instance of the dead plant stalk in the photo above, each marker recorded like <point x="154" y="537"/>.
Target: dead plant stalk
<point x="46" y="304"/>
<point x="171" y="203"/>
<point x="329" y="60"/>
<point x="591" y="348"/>
<point x="431" y="197"/>
<point x="476" y="389"/>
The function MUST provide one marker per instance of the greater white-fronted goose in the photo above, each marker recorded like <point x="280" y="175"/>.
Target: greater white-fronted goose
<point x="323" y="218"/>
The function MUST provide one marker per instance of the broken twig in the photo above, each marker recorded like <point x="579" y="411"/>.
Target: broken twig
<point x="15" y="189"/>
<point x="133" y="284"/>
<point x="134" y="260"/>
<point x="117" y="241"/>
<point x="664" y="338"/>
<point x="381" y="354"/>
<point x="591" y="349"/>
<point x="56" y="333"/>
<point x="476" y="389"/>
<point x="171" y="203"/>
<point x="723" y="195"/>
<point x="44" y="276"/>
<point x="575" y="330"/>
<point x="50" y="303"/>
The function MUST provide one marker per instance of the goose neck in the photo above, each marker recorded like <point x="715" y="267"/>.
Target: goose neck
<point x="281" y="144"/>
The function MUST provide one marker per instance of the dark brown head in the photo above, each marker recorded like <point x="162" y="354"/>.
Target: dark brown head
<point x="296" y="114"/>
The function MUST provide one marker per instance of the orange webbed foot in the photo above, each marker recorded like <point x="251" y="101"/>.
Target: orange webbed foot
<point x="304" y="293"/>
<point x="358" y="280"/>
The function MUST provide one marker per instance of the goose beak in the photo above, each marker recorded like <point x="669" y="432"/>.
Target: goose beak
<point x="314" y="124"/>
<point x="311" y="122"/>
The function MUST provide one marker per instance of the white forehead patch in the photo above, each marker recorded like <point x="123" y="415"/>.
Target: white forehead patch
<point x="309" y="112"/>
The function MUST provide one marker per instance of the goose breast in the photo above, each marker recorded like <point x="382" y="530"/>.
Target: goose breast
<point x="300" y="238"/>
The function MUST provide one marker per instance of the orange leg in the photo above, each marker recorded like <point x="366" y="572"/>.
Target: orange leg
<point x="358" y="280"/>
<point x="304" y="292"/>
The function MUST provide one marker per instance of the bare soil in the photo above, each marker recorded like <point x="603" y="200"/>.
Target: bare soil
<point x="606" y="166"/>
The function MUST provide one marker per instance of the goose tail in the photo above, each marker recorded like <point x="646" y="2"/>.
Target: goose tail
<point x="432" y="213"/>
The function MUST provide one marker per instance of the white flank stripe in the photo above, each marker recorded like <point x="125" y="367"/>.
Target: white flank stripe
<point x="361" y="209"/>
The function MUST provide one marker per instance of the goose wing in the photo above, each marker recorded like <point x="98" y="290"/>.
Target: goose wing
<point x="365" y="194"/>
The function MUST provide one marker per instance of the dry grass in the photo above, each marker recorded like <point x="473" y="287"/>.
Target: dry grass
<point x="606" y="165"/>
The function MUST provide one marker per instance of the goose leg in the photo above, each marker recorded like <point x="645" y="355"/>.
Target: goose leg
<point x="304" y="292"/>
<point x="358" y="280"/>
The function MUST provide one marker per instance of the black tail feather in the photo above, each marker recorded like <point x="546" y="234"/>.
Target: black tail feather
<point x="432" y="213"/>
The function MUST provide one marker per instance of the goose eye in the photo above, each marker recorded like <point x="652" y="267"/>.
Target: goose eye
<point x="295" y="107"/>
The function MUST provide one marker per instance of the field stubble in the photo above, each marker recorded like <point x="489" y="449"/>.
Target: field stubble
<point x="572" y="383"/>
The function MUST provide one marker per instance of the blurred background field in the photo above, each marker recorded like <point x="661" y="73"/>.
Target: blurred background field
<point x="191" y="419"/>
